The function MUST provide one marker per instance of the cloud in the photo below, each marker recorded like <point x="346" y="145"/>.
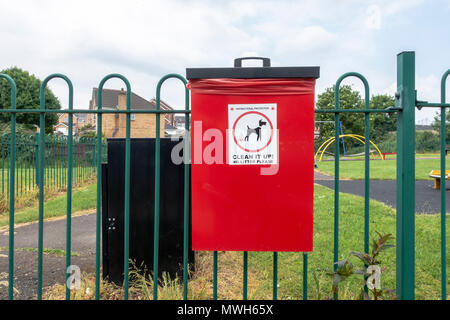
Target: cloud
<point x="145" y="40"/>
<point x="428" y="89"/>
<point x="373" y="17"/>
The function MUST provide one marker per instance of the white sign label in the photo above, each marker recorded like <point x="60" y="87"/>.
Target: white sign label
<point x="252" y="134"/>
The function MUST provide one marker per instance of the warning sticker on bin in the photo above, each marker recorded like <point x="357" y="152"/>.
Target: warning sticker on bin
<point x="252" y="134"/>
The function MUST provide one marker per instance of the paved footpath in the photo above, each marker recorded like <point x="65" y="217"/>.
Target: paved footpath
<point x="25" y="262"/>
<point x="428" y="200"/>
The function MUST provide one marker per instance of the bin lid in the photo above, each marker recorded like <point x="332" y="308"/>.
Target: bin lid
<point x="266" y="71"/>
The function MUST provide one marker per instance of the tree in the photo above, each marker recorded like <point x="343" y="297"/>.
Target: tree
<point x="88" y="131"/>
<point x="28" y="87"/>
<point x="437" y="125"/>
<point x="382" y="123"/>
<point x="353" y="123"/>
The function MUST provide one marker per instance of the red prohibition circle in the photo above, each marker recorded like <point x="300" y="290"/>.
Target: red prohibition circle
<point x="271" y="131"/>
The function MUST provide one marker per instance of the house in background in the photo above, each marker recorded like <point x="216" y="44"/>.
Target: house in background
<point x="62" y="127"/>
<point x="179" y="120"/>
<point x="114" y="125"/>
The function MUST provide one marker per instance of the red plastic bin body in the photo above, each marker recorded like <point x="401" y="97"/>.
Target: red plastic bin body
<point x="252" y="207"/>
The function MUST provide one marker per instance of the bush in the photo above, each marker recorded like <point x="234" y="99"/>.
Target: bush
<point x="427" y="141"/>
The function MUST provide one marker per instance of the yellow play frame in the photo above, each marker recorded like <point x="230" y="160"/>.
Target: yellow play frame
<point x="328" y="142"/>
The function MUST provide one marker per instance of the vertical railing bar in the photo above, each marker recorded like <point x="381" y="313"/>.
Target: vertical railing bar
<point x="443" y="190"/>
<point x="275" y="275"/>
<point x="17" y="170"/>
<point x="25" y="146"/>
<point x="127" y="190"/>
<point x="99" y="192"/>
<point x="305" y="276"/>
<point x="157" y="185"/>
<point x="366" y="164"/>
<point x="215" y="262"/>
<point x="41" y="151"/>
<point x="3" y="164"/>
<point x="69" y="185"/>
<point x="245" y="275"/>
<point x="336" y="175"/>
<point x="366" y="169"/>
<point x="60" y="159"/>
<point x="41" y="187"/>
<point x="186" y="201"/>
<point x="11" y="190"/>
<point x="127" y="184"/>
<point x="20" y="147"/>
<point x="157" y="191"/>
<point x="405" y="205"/>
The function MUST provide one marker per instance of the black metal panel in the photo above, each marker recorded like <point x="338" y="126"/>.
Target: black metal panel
<point x="253" y="72"/>
<point x="142" y="192"/>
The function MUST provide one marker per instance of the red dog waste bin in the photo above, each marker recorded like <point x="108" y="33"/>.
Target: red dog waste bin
<point x="252" y="157"/>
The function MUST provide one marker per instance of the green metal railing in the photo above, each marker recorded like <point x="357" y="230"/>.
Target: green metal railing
<point x="56" y="162"/>
<point x="404" y="108"/>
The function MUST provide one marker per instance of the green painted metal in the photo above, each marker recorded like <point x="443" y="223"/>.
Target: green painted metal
<point x="245" y="275"/>
<point x="99" y="192"/>
<point x="443" y="190"/>
<point x="11" y="188"/>
<point x="275" y="275"/>
<point x="305" y="276"/>
<point x="336" y="175"/>
<point x="215" y="258"/>
<point x="26" y="168"/>
<point x="157" y="186"/>
<point x="366" y="112"/>
<point x="41" y="186"/>
<point x="127" y="182"/>
<point x="406" y="99"/>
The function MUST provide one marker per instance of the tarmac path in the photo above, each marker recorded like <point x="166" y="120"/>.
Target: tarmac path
<point x="54" y="265"/>
<point x="428" y="200"/>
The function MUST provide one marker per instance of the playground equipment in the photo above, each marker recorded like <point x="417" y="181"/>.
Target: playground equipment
<point x="340" y="128"/>
<point x="328" y="142"/>
<point x="436" y="174"/>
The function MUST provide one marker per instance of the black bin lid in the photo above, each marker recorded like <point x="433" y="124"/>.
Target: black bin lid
<point x="239" y="72"/>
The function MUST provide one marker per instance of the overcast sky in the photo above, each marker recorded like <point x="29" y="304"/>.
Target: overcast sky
<point x="145" y="40"/>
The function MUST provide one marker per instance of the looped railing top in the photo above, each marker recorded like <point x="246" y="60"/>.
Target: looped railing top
<point x="443" y="85"/>
<point x="336" y="151"/>
<point x="102" y="83"/>
<point x="13" y="89"/>
<point x="11" y="177"/>
<point x="160" y="83"/>
<point x="338" y="84"/>
<point x="44" y="84"/>
<point x="157" y="183"/>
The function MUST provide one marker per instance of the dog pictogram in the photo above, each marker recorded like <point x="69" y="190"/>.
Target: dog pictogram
<point x="256" y="130"/>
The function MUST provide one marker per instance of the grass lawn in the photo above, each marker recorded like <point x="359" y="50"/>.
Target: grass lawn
<point x="55" y="177"/>
<point x="83" y="198"/>
<point x="379" y="169"/>
<point x="260" y="268"/>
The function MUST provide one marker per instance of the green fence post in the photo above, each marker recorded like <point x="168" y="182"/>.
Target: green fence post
<point x="245" y="275"/>
<point x="215" y="261"/>
<point x="405" y="100"/>
<point x="443" y="191"/>
<point x="41" y="187"/>
<point x="11" y="190"/>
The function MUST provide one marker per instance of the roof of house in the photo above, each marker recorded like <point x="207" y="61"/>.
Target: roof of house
<point x="111" y="97"/>
<point x="81" y="116"/>
<point x="162" y="104"/>
<point x="168" y="126"/>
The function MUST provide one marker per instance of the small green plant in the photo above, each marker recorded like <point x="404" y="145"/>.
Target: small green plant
<point x="371" y="271"/>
